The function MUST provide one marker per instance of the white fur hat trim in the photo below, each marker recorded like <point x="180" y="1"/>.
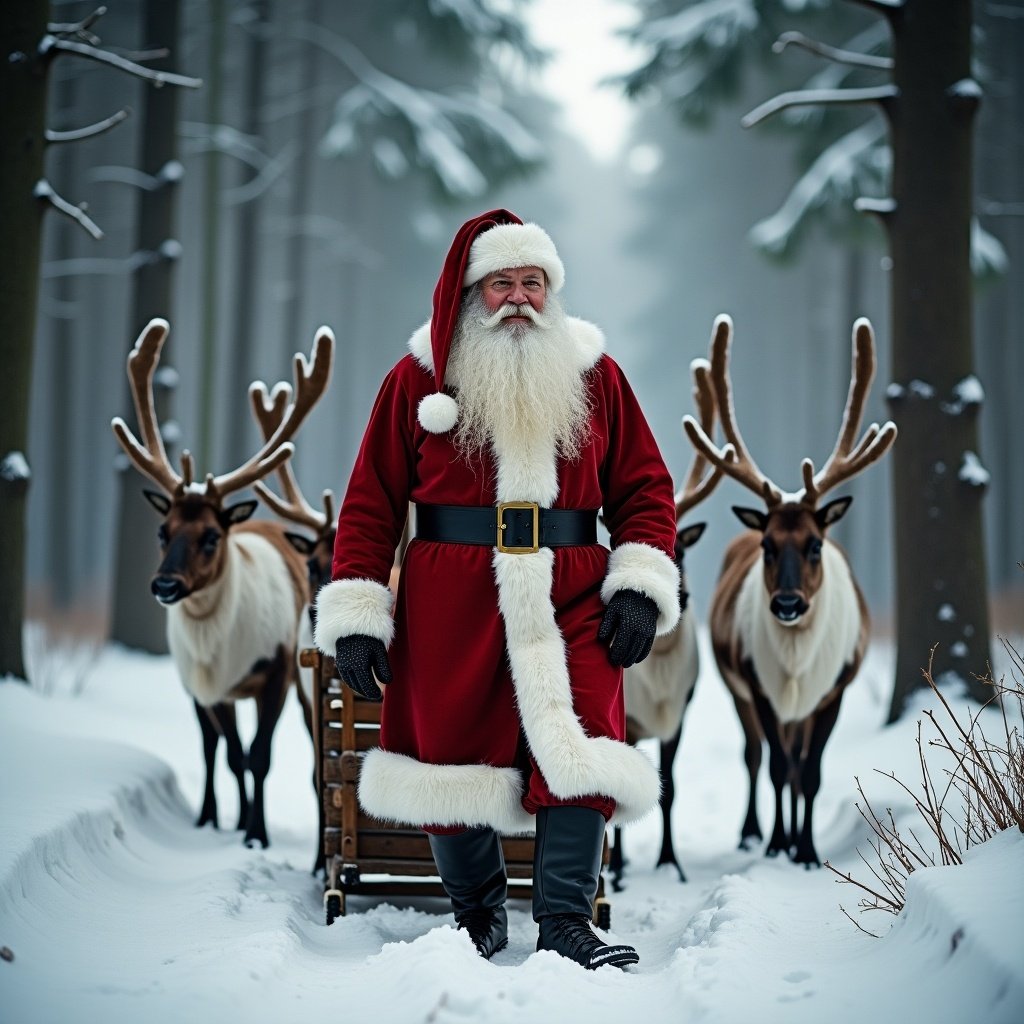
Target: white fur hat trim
<point x="514" y="245"/>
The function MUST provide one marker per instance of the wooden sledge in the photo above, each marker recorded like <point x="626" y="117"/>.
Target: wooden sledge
<point x="365" y="856"/>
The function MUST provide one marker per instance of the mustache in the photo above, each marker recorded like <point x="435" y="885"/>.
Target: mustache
<point x="511" y="309"/>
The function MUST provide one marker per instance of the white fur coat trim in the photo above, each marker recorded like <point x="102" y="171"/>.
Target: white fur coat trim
<point x="573" y="764"/>
<point x="393" y="787"/>
<point x="641" y="567"/>
<point x="350" y="607"/>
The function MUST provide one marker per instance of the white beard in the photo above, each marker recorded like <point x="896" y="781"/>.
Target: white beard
<point x="517" y="382"/>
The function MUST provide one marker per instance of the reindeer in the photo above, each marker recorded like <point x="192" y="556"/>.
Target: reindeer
<point x="659" y="689"/>
<point x="789" y="624"/>
<point x="233" y="590"/>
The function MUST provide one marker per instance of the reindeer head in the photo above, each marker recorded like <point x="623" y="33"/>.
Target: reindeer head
<point x="793" y="527"/>
<point x="196" y="520"/>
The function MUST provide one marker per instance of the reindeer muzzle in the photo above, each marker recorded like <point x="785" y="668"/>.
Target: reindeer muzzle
<point x="168" y="589"/>
<point x="787" y="608"/>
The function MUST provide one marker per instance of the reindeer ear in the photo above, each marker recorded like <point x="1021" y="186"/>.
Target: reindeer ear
<point x="752" y="518"/>
<point x="159" y="501"/>
<point x="832" y="512"/>
<point x="689" y="535"/>
<point x="234" y="514"/>
<point x="303" y="545"/>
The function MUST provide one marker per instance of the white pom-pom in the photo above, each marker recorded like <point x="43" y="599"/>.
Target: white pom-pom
<point x="438" y="413"/>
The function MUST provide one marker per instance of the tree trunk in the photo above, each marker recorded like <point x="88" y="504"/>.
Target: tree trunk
<point x="297" y="244"/>
<point x="941" y="592"/>
<point x="22" y="127"/>
<point x="241" y="428"/>
<point x="138" y="621"/>
<point x="210" y="297"/>
<point x="60" y="364"/>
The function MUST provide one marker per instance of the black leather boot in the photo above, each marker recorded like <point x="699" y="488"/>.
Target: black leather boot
<point x="566" y="867"/>
<point x="472" y="869"/>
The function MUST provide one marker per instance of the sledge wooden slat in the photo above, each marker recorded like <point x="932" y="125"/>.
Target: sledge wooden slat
<point x="364" y="711"/>
<point x="363" y="738"/>
<point x="357" y="845"/>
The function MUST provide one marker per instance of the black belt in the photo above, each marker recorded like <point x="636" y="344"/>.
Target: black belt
<point x="515" y="527"/>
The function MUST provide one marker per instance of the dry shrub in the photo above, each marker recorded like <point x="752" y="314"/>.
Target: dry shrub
<point x="987" y="776"/>
<point x="59" y="661"/>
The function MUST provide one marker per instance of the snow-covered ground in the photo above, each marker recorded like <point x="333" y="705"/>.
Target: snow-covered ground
<point x="116" y="908"/>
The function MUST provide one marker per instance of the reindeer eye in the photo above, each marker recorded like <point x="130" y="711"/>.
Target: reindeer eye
<point x="162" y="535"/>
<point x="771" y="552"/>
<point x="208" y="541"/>
<point x="814" y="550"/>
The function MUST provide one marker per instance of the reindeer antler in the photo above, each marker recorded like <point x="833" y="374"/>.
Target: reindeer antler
<point x="697" y="486"/>
<point x="311" y="379"/>
<point x="149" y="456"/>
<point x="269" y="410"/>
<point x="733" y="459"/>
<point x="846" y="460"/>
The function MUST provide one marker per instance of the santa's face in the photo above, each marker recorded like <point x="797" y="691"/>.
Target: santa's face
<point x="517" y="286"/>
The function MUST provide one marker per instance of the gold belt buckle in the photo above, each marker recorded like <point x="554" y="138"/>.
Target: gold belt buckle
<point x="532" y="505"/>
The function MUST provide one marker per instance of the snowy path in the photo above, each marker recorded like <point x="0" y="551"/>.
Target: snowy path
<point x="116" y="907"/>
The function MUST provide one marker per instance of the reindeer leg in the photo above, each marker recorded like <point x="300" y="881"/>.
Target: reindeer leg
<point x="319" y="862"/>
<point x="616" y="860"/>
<point x="269" y="702"/>
<point x="752" y="752"/>
<point x="778" y="768"/>
<point x="225" y="715"/>
<point x="811" y="780"/>
<point x="668" y="793"/>
<point x="795" y="764"/>
<point x="211" y="737"/>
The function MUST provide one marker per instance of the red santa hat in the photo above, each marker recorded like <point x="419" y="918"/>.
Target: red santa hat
<point x="496" y="240"/>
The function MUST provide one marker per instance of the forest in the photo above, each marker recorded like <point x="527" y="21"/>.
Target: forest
<point x="306" y="162"/>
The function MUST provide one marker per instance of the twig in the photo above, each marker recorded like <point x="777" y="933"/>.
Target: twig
<point x="76" y="134"/>
<point x="880" y="94"/>
<point x="862" y="60"/>
<point x="49" y="43"/>
<point x="857" y="924"/>
<point x="79" y="28"/>
<point x="44" y="191"/>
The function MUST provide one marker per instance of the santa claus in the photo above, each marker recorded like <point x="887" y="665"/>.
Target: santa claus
<point x="509" y="428"/>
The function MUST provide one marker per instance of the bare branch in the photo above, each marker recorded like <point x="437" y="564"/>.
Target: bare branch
<point x="78" y="28"/>
<point x="862" y="60"/>
<point x="880" y="94"/>
<point x="170" y="174"/>
<point x="77" y="134"/>
<point x="879" y="207"/>
<point x="44" y="191"/>
<point x="51" y="43"/>
<point x="885" y="7"/>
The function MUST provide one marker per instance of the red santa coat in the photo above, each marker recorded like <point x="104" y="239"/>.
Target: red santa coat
<point x="486" y="647"/>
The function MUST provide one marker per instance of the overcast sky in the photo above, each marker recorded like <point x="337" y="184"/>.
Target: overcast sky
<point x="581" y="35"/>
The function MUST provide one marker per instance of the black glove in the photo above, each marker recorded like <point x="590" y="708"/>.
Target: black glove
<point x="355" y="657"/>
<point x="632" y="618"/>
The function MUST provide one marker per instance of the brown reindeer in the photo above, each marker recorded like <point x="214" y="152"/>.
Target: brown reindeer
<point x="659" y="689"/>
<point x="789" y="625"/>
<point x="233" y="590"/>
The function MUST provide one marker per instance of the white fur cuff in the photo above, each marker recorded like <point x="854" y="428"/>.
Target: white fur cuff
<point x="641" y="567"/>
<point x="351" y="607"/>
<point x="395" y="787"/>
